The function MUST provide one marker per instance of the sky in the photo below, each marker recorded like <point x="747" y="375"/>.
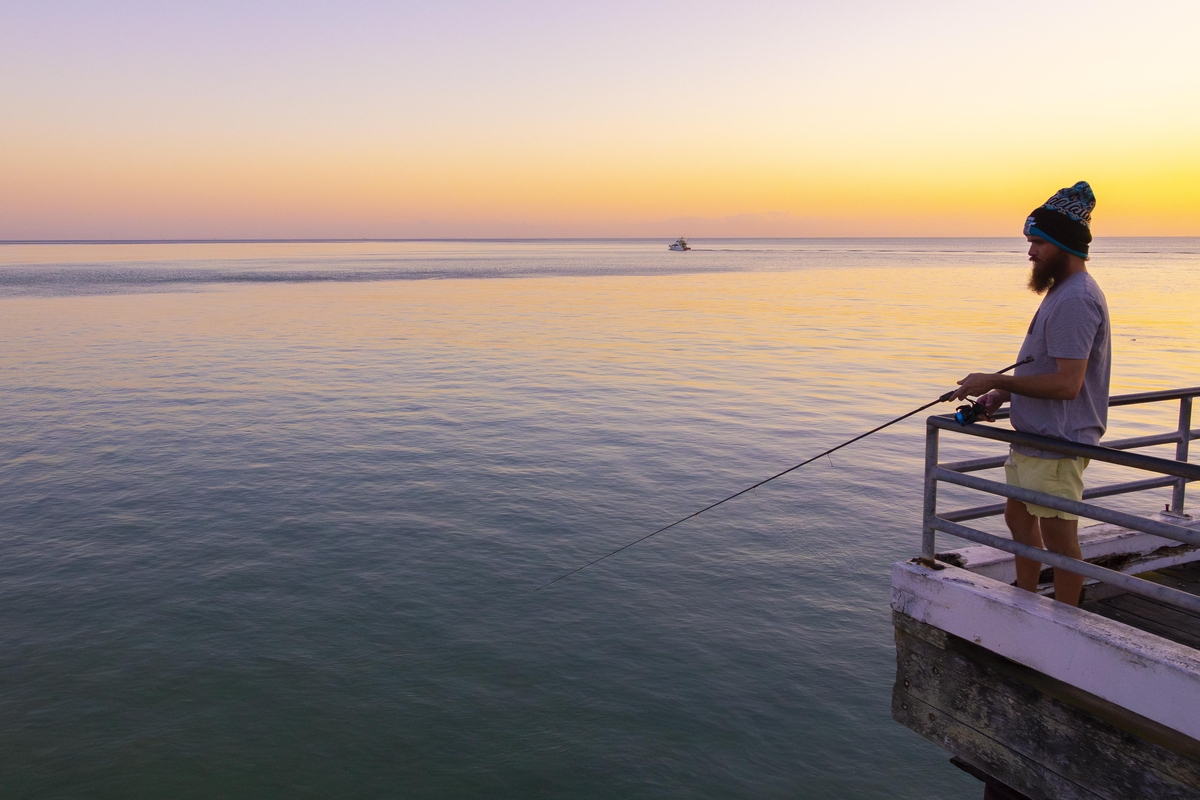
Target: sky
<point x="543" y="119"/>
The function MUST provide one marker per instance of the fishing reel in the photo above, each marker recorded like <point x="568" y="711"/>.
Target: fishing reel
<point x="966" y="414"/>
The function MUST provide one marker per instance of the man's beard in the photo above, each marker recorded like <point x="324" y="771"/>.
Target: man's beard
<point x="1048" y="274"/>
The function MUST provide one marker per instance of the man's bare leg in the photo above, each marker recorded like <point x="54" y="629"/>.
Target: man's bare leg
<point x="1062" y="536"/>
<point x="1024" y="529"/>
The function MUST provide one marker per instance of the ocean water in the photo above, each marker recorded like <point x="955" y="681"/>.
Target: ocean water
<point x="272" y="514"/>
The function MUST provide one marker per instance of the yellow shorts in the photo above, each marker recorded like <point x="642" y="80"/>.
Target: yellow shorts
<point x="1061" y="477"/>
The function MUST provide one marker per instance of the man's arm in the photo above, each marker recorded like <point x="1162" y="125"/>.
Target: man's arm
<point x="1061" y="385"/>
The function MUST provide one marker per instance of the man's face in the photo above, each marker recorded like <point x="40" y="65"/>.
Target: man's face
<point x="1050" y="264"/>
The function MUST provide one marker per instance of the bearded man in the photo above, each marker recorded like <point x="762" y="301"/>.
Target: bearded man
<point x="1063" y="392"/>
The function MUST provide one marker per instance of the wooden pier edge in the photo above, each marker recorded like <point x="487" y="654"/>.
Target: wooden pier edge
<point x="1030" y="732"/>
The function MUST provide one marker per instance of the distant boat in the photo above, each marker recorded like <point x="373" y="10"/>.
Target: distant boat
<point x="680" y="244"/>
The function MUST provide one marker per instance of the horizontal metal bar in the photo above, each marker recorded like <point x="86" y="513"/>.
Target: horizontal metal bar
<point x="1127" y="487"/>
<point x="1132" y="399"/>
<point x="1151" y="397"/>
<point x="974" y="512"/>
<point x="975" y="464"/>
<point x="992" y="462"/>
<point x="1180" y="469"/>
<point x="978" y="512"/>
<point x="1131" y="521"/>
<point x="1145" y="588"/>
<point x="1151" y="440"/>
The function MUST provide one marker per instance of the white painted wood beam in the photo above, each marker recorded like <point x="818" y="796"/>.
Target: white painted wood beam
<point x="1144" y="673"/>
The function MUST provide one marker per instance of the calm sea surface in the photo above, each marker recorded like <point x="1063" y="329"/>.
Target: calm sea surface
<point x="272" y="515"/>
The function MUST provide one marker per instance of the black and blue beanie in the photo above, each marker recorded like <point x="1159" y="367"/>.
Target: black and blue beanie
<point x="1063" y="219"/>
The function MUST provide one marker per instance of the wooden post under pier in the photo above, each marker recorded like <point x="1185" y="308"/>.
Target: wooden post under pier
<point x="1026" y="731"/>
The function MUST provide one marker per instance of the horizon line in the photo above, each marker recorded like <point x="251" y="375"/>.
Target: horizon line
<point x="371" y="239"/>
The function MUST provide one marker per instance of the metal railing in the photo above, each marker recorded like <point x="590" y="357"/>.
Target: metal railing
<point x="1174" y="473"/>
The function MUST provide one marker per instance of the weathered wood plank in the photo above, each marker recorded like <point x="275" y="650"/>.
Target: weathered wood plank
<point x="1095" y="592"/>
<point x="919" y="630"/>
<point x="1141" y="622"/>
<point x="1176" y="617"/>
<point x="1188" y="571"/>
<point x="1186" y="623"/>
<point x="1060" y="738"/>
<point x="990" y="757"/>
<point x="1184" y="583"/>
<point x="1075" y="697"/>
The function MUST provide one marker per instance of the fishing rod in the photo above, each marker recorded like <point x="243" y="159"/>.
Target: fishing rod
<point x="965" y="415"/>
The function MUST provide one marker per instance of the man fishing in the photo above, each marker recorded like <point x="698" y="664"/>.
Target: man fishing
<point x="1059" y="389"/>
<point x="1063" y="391"/>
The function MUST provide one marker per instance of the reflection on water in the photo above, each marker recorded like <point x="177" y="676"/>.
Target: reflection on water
<point x="279" y="537"/>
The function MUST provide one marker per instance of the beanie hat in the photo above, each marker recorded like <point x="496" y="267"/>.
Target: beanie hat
<point x="1063" y="219"/>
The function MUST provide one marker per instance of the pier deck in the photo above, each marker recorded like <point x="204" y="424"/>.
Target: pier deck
<point x="1177" y="624"/>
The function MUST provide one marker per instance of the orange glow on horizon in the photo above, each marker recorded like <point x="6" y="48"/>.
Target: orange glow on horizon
<point x="907" y="122"/>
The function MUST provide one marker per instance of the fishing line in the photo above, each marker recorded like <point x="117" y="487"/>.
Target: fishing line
<point x="965" y="414"/>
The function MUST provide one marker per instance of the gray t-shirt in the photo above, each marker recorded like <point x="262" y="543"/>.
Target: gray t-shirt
<point x="1072" y="322"/>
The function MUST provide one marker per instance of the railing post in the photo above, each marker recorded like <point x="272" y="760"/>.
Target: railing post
<point x="928" y="534"/>
<point x="1181" y="451"/>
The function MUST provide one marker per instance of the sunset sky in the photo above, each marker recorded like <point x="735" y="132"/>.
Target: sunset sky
<point x="480" y="119"/>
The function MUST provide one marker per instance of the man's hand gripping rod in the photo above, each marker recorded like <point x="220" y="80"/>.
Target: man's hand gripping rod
<point x="941" y="399"/>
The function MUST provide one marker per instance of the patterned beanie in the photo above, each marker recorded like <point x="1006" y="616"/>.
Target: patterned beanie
<point x="1064" y="218"/>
